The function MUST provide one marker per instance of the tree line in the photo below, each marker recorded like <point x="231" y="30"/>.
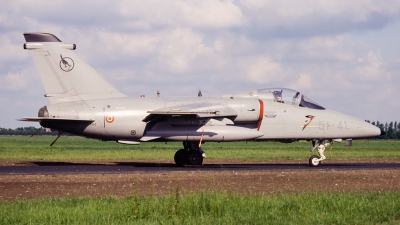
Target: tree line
<point x="392" y="130"/>
<point x="27" y="131"/>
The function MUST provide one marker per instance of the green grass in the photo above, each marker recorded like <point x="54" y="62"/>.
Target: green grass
<point x="199" y="208"/>
<point x="78" y="148"/>
<point x="209" y="208"/>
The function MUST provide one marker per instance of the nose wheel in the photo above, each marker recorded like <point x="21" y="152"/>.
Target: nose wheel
<point x="314" y="161"/>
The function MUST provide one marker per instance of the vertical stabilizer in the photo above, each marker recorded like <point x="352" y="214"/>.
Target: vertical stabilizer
<point x="65" y="76"/>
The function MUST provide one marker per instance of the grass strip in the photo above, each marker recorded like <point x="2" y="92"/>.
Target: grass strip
<point x="78" y="148"/>
<point x="209" y="208"/>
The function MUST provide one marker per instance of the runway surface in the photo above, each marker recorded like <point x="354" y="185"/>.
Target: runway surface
<point x="137" y="167"/>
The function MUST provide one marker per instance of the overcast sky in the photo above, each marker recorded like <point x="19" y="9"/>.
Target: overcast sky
<point x="343" y="54"/>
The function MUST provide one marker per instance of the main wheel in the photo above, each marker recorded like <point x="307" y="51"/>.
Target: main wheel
<point x="180" y="157"/>
<point x="194" y="157"/>
<point x="313" y="161"/>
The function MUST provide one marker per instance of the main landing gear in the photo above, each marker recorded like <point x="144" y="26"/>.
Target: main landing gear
<point x="316" y="160"/>
<point x="191" y="154"/>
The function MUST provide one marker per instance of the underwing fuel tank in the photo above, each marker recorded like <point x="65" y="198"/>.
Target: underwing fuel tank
<point x="204" y="133"/>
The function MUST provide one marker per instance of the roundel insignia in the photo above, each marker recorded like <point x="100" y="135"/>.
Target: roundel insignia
<point x="66" y="63"/>
<point x="109" y="119"/>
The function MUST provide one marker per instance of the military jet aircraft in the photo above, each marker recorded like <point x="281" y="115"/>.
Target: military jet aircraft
<point x="85" y="104"/>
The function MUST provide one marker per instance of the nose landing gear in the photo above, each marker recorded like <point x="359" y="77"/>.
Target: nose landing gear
<point x="316" y="160"/>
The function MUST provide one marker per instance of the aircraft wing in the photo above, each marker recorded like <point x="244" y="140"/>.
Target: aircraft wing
<point x="38" y="119"/>
<point x="198" y="111"/>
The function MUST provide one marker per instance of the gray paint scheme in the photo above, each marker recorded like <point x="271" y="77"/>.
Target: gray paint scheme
<point x="84" y="103"/>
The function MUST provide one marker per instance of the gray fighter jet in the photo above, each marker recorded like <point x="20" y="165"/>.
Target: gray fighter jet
<point x="85" y="104"/>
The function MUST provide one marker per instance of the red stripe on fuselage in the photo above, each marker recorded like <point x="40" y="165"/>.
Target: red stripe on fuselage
<point x="261" y="116"/>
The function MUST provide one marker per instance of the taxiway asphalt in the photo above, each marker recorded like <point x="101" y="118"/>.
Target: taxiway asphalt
<point x="138" y="167"/>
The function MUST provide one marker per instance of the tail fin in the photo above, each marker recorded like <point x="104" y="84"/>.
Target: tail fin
<point x="65" y="76"/>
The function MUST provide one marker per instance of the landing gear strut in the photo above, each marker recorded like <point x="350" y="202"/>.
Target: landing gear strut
<point x="191" y="154"/>
<point x="316" y="160"/>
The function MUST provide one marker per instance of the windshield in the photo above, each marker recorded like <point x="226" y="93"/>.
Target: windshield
<point x="288" y="96"/>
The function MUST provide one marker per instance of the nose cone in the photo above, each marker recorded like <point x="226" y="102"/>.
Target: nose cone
<point x="369" y="130"/>
<point x="351" y="127"/>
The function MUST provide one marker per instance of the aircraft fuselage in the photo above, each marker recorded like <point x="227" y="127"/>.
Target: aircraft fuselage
<point x="256" y="119"/>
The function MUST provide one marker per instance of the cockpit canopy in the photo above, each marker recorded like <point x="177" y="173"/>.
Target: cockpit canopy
<point x="284" y="96"/>
<point x="288" y="96"/>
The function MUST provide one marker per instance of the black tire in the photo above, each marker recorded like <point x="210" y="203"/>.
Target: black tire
<point x="312" y="161"/>
<point x="194" y="157"/>
<point x="180" y="157"/>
